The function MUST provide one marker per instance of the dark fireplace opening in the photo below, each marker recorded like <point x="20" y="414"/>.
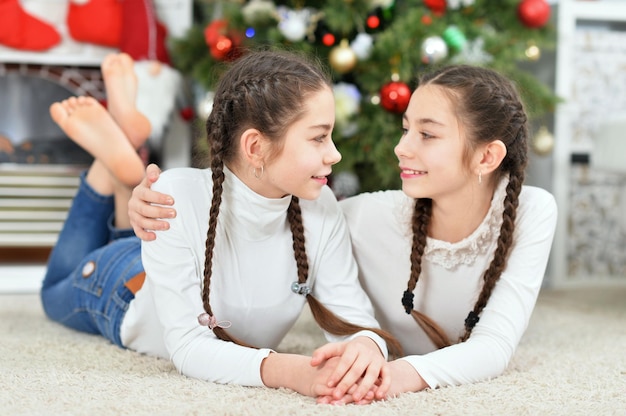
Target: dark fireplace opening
<point x="39" y="164"/>
<point x="28" y="135"/>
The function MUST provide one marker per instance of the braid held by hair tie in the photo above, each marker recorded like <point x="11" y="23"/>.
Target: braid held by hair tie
<point x="300" y="288"/>
<point x="204" y="319"/>
<point x="471" y="320"/>
<point x="407" y="301"/>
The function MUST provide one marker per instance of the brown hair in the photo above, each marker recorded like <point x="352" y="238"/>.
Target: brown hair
<point x="489" y="107"/>
<point x="266" y="90"/>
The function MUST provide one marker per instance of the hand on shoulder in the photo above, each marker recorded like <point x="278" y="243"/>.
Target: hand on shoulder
<point x="146" y="206"/>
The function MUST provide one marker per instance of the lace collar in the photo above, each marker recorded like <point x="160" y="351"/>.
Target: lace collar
<point x="451" y="255"/>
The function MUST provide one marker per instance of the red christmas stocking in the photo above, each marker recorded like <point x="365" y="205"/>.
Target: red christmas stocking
<point x="96" y="21"/>
<point x="20" y="30"/>
<point x="143" y="36"/>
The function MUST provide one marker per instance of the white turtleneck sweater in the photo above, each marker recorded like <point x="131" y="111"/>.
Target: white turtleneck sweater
<point x="451" y="280"/>
<point x="253" y="270"/>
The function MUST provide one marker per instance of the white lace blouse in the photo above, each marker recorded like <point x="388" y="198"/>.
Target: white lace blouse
<point x="451" y="281"/>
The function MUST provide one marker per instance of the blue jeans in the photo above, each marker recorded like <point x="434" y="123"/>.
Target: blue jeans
<point x="84" y="286"/>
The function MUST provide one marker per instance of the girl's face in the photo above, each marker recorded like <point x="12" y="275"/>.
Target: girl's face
<point x="308" y="152"/>
<point x="430" y="151"/>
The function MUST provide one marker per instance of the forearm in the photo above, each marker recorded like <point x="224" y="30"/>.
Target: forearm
<point x="288" y="370"/>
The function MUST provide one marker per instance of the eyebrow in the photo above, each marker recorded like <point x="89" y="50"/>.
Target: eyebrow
<point x="423" y="120"/>
<point x="320" y="126"/>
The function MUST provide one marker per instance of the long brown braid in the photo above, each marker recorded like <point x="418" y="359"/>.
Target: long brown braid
<point x="266" y="90"/>
<point x="324" y="317"/>
<point x="489" y="107"/>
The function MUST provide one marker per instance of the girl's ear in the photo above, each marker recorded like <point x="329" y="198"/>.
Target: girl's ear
<point x="491" y="156"/>
<point x="252" y="144"/>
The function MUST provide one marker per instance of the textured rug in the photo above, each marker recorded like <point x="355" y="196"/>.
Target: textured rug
<point x="571" y="361"/>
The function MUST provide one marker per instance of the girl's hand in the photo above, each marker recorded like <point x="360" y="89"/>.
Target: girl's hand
<point x="294" y="372"/>
<point x="360" y="369"/>
<point x="318" y="386"/>
<point x="348" y="398"/>
<point x="143" y="214"/>
<point x="404" y="378"/>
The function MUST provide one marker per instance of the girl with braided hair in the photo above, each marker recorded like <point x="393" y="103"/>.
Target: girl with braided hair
<point x="466" y="244"/>
<point x="257" y="235"/>
<point x="454" y="262"/>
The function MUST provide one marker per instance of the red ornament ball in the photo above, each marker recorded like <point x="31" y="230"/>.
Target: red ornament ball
<point x="437" y="6"/>
<point x="533" y="13"/>
<point x="187" y="113"/>
<point x="395" y="96"/>
<point x="223" y="48"/>
<point x="213" y="31"/>
<point x="373" y="22"/>
<point x="328" y="39"/>
<point x="223" y="43"/>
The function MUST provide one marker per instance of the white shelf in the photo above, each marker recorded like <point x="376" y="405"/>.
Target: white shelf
<point x="571" y="14"/>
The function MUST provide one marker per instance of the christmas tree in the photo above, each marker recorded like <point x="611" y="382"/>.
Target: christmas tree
<point x="375" y="50"/>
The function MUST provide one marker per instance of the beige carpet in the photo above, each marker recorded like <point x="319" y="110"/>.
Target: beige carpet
<point x="571" y="361"/>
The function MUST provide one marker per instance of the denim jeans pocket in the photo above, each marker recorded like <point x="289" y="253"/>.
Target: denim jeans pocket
<point x="99" y="285"/>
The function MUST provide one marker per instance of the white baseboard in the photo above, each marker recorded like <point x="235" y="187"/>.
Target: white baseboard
<point x="17" y="278"/>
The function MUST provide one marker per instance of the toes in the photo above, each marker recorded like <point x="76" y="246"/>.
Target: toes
<point x="125" y="60"/>
<point x="58" y="112"/>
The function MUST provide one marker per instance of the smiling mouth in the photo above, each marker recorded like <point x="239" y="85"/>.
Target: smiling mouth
<point x="414" y="172"/>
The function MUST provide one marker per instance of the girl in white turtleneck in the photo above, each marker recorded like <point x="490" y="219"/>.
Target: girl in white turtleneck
<point x="257" y="235"/>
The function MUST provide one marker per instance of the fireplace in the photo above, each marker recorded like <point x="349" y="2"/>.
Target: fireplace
<point x="39" y="164"/>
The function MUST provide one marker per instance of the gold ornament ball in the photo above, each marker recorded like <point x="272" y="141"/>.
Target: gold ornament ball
<point x="342" y="58"/>
<point x="543" y="142"/>
<point x="533" y="53"/>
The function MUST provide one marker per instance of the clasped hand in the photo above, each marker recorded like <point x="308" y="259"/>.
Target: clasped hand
<point x="353" y="371"/>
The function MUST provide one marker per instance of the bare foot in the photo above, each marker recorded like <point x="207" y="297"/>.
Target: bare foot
<point x="120" y="81"/>
<point x="89" y="124"/>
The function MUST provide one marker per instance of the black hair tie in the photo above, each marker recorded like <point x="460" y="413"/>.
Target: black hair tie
<point x="407" y="301"/>
<point x="471" y="320"/>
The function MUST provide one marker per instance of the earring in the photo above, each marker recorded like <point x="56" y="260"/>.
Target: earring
<point x="480" y="177"/>
<point x="258" y="175"/>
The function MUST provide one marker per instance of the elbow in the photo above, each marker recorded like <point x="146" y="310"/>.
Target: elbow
<point x="499" y="355"/>
<point x="493" y="358"/>
<point x="187" y="368"/>
<point x="178" y="360"/>
<point x="499" y="366"/>
<point x="180" y="357"/>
